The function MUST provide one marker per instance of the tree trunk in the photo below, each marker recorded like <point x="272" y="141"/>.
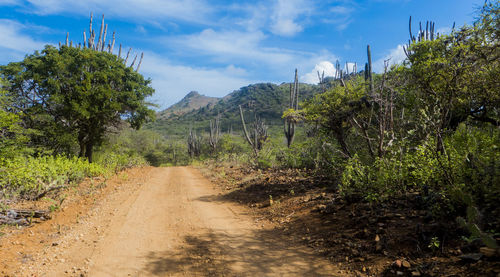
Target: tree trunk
<point x="81" y="142"/>
<point x="339" y="135"/>
<point x="89" y="151"/>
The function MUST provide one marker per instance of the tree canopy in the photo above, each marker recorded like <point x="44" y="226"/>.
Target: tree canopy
<point x="71" y="95"/>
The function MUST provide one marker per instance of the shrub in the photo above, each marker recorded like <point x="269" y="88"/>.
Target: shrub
<point x="26" y="176"/>
<point x="470" y="165"/>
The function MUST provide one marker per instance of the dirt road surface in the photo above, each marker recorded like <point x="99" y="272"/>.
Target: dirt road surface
<point x="172" y="222"/>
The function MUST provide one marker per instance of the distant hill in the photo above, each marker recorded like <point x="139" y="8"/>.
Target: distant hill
<point x="192" y="101"/>
<point x="265" y="100"/>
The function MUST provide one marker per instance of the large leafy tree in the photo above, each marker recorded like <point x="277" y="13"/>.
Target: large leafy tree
<point x="11" y="133"/>
<point x="74" y="95"/>
<point x="455" y="77"/>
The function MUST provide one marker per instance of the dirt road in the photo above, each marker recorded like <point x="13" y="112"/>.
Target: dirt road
<point x="174" y="224"/>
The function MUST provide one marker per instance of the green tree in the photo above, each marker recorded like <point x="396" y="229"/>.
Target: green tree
<point x="74" y="95"/>
<point x="455" y="77"/>
<point x="11" y="132"/>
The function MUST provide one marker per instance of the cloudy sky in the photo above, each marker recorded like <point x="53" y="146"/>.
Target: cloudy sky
<point x="215" y="47"/>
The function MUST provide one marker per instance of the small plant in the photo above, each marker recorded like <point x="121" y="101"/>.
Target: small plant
<point x="434" y="243"/>
<point x="470" y="223"/>
<point x="124" y="176"/>
<point x="55" y="206"/>
<point x="271" y="202"/>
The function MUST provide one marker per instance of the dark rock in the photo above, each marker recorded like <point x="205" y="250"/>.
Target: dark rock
<point x="473" y="257"/>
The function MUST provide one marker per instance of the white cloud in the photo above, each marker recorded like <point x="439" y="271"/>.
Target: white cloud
<point x="285" y="16"/>
<point x="395" y="56"/>
<point x="350" y="67"/>
<point x="343" y="10"/>
<point x="329" y="71"/>
<point x="234" y="70"/>
<point x="340" y="15"/>
<point x="246" y="49"/>
<point x="172" y="81"/>
<point x="8" y="2"/>
<point x="13" y="43"/>
<point x="252" y="17"/>
<point x="141" y="29"/>
<point x="324" y="66"/>
<point x="443" y="31"/>
<point x="149" y="10"/>
<point x="225" y="46"/>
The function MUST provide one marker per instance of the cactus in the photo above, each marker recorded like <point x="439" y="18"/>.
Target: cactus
<point x="214" y="133"/>
<point x="289" y="127"/>
<point x="368" y="67"/>
<point x="101" y="45"/>
<point x="470" y="224"/>
<point x="424" y="34"/>
<point x="259" y="135"/>
<point x="194" y="144"/>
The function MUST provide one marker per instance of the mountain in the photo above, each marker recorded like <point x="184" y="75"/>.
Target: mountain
<point x="265" y="100"/>
<point x="192" y="101"/>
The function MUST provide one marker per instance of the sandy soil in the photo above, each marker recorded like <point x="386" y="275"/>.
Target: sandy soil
<point x="158" y="222"/>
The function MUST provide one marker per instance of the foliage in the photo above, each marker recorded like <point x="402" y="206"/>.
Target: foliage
<point x="27" y="175"/>
<point x="12" y="135"/>
<point x="156" y="149"/>
<point x="73" y="95"/>
<point x="471" y="221"/>
<point x="428" y="126"/>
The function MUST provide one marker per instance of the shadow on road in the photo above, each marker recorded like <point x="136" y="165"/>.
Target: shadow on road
<point x="262" y="253"/>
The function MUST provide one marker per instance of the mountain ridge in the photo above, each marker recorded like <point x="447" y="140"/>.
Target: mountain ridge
<point x="267" y="101"/>
<point x="192" y="101"/>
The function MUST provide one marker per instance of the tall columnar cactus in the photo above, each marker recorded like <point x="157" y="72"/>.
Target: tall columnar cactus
<point x="194" y="144"/>
<point x="293" y="105"/>
<point x="101" y="45"/>
<point x="368" y="68"/>
<point x="429" y="33"/>
<point x="214" y="133"/>
<point x="321" y="79"/>
<point x="259" y="135"/>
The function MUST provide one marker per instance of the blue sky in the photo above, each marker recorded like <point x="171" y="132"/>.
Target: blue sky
<point x="215" y="47"/>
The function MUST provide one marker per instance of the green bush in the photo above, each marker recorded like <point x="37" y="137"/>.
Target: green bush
<point x="25" y="176"/>
<point x="114" y="162"/>
<point x="470" y="165"/>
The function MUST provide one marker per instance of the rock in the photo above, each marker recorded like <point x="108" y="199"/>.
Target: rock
<point x="11" y="214"/>
<point x="473" y="257"/>
<point x="399" y="273"/>
<point x="397" y="263"/>
<point x="377" y="238"/>
<point x="415" y="273"/>
<point x="488" y="252"/>
<point x="320" y="208"/>
<point x="473" y="246"/>
<point x="406" y="264"/>
<point x="359" y="273"/>
<point x="354" y="252"/>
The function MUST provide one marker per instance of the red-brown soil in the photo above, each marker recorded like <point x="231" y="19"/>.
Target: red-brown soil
<point x="390" y="238"/>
